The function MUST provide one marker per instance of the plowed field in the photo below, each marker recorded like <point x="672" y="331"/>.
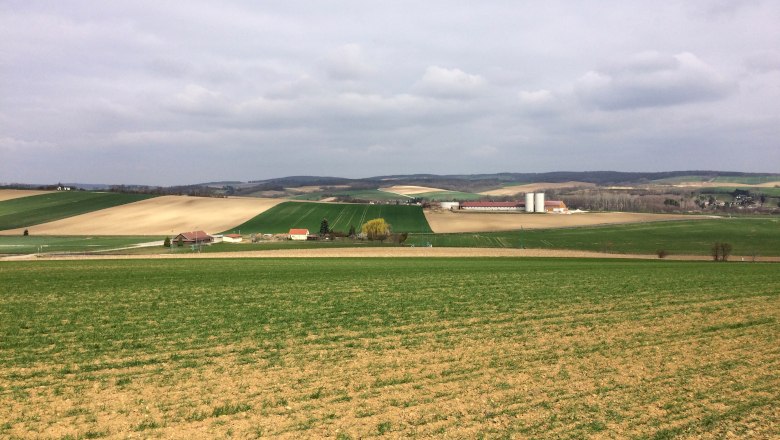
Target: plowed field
<point x="448" y="221"/>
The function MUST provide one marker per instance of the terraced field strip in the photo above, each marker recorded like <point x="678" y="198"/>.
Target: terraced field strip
<point x="341" y="216"/>
<point x="43" y="208"/>
<point x="356" y="348"/>
<point x="748" y="236"/>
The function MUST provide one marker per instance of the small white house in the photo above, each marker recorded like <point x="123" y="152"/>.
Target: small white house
<point x="232" y="238"/>
<point x="299" y="234"/>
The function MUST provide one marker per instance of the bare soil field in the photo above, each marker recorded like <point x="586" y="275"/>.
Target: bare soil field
<point x="165" y="215"/>
<point x="533" y="187"/>
<point x="448" y="221"/>
<point x="409" y="190"/>
<point x="8" y="194"/>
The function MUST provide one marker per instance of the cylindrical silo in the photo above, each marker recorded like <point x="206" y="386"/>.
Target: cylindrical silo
<point x="529" y="202"/>
<point x="539" y="202"/>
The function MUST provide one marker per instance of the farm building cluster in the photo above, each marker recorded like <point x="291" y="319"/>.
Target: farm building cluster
<point x="534" y="202"/>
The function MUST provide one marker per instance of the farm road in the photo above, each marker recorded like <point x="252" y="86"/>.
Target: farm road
<point x="393" y="252"/>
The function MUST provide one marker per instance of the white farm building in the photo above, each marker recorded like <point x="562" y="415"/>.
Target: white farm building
<point x="299" y="234"/>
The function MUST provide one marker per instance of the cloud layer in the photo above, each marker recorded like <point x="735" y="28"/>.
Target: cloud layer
<point x="133" y="92"/>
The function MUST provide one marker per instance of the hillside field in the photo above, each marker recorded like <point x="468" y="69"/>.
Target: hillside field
<point x="281" y="218"/>
<point x="159" y="216"/>
<point x="748" y="236"/>
<point x="361" y="348"/>
<point x="36" y="209"/>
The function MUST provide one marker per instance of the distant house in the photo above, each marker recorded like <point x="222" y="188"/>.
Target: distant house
<point x="193" y="237"/>
<point x="232" y="238"/>
<point x="299" y="234"/>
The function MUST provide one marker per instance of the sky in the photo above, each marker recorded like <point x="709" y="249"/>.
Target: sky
<point x="167" y="93"/>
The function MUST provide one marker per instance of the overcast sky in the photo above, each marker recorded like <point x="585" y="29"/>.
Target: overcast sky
<point x="165" y="92"/>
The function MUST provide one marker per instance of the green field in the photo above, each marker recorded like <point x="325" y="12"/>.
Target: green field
<point x="749" y="180"/>
<point x="34" y="210"/>
<point x="748" y="236"/>
<point x="17" y="244"/>
<point x="284" y="216"/>
<point x="421" y="348"/>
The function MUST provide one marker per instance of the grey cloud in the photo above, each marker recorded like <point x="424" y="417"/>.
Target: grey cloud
<point x="653" y="80"/>
<point x="130" y="87"/>
<point x="449" y="83"/>
<point x="764" y="62"/>
<point x="347" y="63"/>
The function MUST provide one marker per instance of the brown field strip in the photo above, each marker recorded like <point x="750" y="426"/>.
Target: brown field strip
<point x="9" y="194"/>
<point x="448" y="221"/>
<point x="165" y="215"/>
<point x="408" y="190"/>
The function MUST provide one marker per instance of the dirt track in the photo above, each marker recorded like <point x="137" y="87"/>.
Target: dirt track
<point x="385" y="252"/>
<point x="448" y="221"/>
<point x="8" y="194"/>
<point x="165" y="215"/>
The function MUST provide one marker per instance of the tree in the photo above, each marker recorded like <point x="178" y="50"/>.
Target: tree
<point x="725" y="251"/>
<point x="324" y="227"/>
<point x="26" y="233"/>
<point x="716" y="251"/>
<point x="376" y="229"/>
<point x="721" y="251"/>
<point x="351" y="231"/>
<point x="167" y="242"/>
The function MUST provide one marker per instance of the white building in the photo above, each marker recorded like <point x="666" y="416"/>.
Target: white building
<point x="299" y="234"/>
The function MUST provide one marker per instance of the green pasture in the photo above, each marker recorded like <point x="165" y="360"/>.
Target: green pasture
<point x="401" y="348"/>
<point x="284" y="216"/>
<point x="43" y="208"/>
<point x="748" y="236"/>
<point x="18" y="244"/>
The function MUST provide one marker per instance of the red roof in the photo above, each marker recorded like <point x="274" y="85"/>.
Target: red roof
<point x="299" y="232"/>
<point x="200" y="235"/>
<point x="554" y="203"/>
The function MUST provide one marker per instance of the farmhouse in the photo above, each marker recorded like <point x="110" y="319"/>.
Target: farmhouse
<point x="232" y="238"/>
<point x="299" y="234"/>
<point x="193" y="237"/>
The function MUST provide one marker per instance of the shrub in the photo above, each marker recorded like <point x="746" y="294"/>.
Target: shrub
<point x="167" y="242"/>
<point x="662" y="253"/>
<point x="26" y="233"/>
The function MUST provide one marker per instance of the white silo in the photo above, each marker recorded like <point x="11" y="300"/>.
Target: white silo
<point x="529" y="202"/>
<point x="539" y="202"/>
